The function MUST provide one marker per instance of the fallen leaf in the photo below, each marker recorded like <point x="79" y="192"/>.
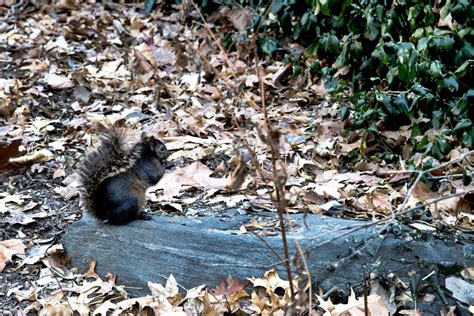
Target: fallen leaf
<point x="8" y="152"/>
<point x="42" y="155"/>
<point x="58" y="82"/>
<point x="240" y="18"/>
<point x="462" y="290"/>
<point x="9" y="248"/>
<point x="67" y="5"/>
<point x="195" y="175"/>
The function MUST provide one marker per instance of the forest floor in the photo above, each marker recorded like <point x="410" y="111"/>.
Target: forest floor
<point x="64" y="68"/>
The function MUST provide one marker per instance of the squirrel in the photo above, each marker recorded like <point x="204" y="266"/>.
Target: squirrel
<point x="115" y="175"/>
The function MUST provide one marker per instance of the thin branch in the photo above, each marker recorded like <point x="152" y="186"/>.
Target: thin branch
<point x="274" y="154"/>
<point x="268" y="245"/>
<point x="216" y="41"/>
<point x="352" y="230"/>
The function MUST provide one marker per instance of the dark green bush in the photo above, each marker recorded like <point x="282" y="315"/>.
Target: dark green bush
<point x="409" y="62"/>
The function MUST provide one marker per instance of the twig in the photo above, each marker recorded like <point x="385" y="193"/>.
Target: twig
<point x="278" y="188"/>
<point x="167" y="278"/>
<point x="268" y="245"/>
<point x="352" y="230"/>
<point x="279" y="191"/>
<point x="216" y="41"/>
<point x="305" y="265"/>
<point x="421" y="174"/>
<point x="61" y="288"/>
<point x="328" y="293"/>
<point x="366" y="303"/>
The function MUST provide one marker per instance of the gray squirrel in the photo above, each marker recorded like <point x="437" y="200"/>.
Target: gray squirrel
<point x="116" y="174"/>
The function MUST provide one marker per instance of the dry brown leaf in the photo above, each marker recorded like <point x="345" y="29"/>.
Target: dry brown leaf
<point x="233" y="291"/>
<point x="319" y="88"/>
<point x="195" y="175"/>
<point x="355" y="306"/>
<point x="240" y="18"/>
<point x="209" y="309"/>
<point x="264" y="298"/>
<point x="329" y="130"/>
<point x="468" y="273"/>
<point x="461" y="289"/>
<point x="330" y="188"/>
<point x="58" y="82"/>
<point x="90" y="273"/>
<point x="422" y="192"/>
<point x="447" y="21"/>
<point x="42" y="155"/>
<point x="237" y="177"/>
<point x="9" y="248"/>
<point x="67" y="5"/>
<point x="141" y="65"/>
<point x="17" y="199"/>
<point x="8" y="152"/>
<point x="381" y="201"/>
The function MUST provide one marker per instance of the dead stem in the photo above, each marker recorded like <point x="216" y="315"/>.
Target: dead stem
<point x="276" y="183"/>
<point x="216" y="41"/>
<point x="401" y="210"/>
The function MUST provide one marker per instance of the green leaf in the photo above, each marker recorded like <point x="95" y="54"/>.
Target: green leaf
<point x="297" y="71"/>
<point x="391" y="74"/>
<point x="462" y="70"/>
<point x="443" y="45"/>
<point x="305" y="18"/>
<point x="332" y="44"/>
<point x="356" y="48"/>
<point x="416" y="130"/>
<point x="441" y="32"/>
<point x="449" y="83"/>
<point x="459" y="106"/>
<point x="468" y="138"/>
<point x="435" y="68"/>
<point x="468" y="50"/>
<point x="402" y="103"/>
<point x="371" y="32"/>
<point x="277" y="5"/>
<point x="462" y="125"/>
<point x="373" y="127"/>
<point x="345" y="112"/>
<point x="342" y="58"/>
<point x="419" y="89"/>
<point x="440" y="147"/>
<point x="446" y="9"/>
<point x="423" y="43"/>
<point x="429" y="16"/>
<point x="418" y="33"/>
<point x="268" y="45"/>
<point x="404" y="73"/>
<point x="460" y="10"/>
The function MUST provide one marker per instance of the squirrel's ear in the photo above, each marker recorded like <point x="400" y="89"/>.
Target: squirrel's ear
<point x="150" y="140"/>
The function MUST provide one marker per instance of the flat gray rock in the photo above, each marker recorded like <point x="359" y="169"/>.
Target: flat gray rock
<point x="203" y="250"/>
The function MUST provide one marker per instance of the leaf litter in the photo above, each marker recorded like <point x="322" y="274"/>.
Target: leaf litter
<point x="66" y="66"/>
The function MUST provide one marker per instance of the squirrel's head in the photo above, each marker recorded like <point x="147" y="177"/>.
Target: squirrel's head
<point x="157" y="147"/>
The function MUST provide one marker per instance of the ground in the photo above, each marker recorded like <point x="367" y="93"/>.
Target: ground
<point x="64" y="68"/>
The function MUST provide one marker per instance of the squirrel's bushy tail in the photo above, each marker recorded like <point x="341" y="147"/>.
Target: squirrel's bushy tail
<point x="114" y="154"/>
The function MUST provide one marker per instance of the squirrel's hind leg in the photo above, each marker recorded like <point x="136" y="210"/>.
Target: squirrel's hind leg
<point x="124" y="212"/>
<point x="120" y="200"/>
